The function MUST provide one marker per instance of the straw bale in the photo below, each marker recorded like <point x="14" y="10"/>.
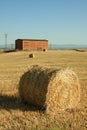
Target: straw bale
<point x="52" y="89"/>
<point x="81" y="50"/>
<point x="45" y="50"/>
<point x="31" y="55"/>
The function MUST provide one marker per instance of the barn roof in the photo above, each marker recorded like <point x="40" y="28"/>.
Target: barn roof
<point x="32" y="39"/>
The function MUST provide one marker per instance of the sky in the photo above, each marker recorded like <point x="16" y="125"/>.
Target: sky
<point x="58" y="21"/>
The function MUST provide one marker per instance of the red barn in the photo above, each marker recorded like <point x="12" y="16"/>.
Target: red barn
<point x="31" y="44"/>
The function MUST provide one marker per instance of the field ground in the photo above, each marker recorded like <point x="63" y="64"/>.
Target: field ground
<point x="18" y="116"/>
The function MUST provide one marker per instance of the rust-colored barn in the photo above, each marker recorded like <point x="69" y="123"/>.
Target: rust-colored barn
<point x="31" y="44"/>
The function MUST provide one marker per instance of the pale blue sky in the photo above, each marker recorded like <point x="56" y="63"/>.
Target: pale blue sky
<point x="59" y="21"/>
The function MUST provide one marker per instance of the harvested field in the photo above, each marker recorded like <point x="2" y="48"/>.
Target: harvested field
<point x="16" y="115"/>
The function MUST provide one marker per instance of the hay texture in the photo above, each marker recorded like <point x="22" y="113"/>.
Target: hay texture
<point x="52" y="89"/>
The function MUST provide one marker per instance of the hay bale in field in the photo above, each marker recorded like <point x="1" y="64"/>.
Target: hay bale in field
<point x="45" y="50"/>
<point x="31" y="55"/>
<point x="80" y="50"/>
<point x="52" y="89"/>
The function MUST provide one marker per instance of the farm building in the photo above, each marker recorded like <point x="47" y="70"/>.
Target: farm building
<point x="31" y="44"/>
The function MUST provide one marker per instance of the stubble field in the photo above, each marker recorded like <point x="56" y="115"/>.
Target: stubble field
<point x="18" y="116"/>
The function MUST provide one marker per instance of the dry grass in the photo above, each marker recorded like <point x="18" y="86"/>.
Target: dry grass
<point x="16" y="115"/>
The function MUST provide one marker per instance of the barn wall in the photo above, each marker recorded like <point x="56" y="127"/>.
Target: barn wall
<point x="18" y="45"/>
<point x="35" y="45"/>
<point x="31" y="44"/>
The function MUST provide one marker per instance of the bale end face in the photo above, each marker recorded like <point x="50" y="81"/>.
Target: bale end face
<point x="64" y="92"/>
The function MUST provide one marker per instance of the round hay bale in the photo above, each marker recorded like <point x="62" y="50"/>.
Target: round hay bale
<point x="31" y="55"/>
<point x="45" y="50"/>
<point x="52" y="89"/>
<point x="80" y="50"/>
